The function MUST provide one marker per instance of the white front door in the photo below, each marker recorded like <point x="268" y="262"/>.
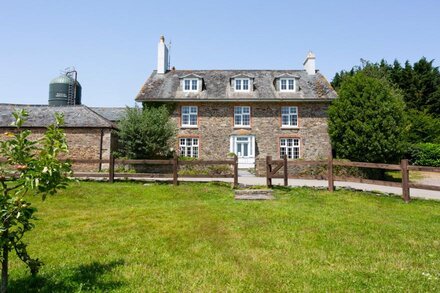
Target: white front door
<point x="244" y="148"/>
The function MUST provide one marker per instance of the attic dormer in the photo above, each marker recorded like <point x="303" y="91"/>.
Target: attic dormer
<point x="286" y="83"/>
<point x="191" y="83"/>
<point x="242" y="83"/>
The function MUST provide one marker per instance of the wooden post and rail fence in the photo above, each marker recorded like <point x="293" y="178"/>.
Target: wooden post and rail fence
<point x="272" y="169"/>
<point x="273" y="166"/>
<point x="175" y="162"/>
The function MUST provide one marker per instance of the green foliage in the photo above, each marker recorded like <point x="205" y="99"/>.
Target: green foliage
<point x="169" y="106"/>
<point x="146" y="133"/>
<point x="420" y="86"/>
<point x="425" y="154"/>
<point x="367" y="121"/>
<point x="31" y="167"/>
<point x="424" y="127"/>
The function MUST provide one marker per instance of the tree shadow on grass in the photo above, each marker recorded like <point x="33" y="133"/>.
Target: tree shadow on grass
<point x="82" y="278"/>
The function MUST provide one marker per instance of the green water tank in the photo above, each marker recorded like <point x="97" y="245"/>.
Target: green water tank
<point x="64" y="92"/>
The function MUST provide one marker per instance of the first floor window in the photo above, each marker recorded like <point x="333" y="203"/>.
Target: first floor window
<point x="189" y="116"/>
<point x="289" y="116"/>
<point x="242" y="116"/>
<point x="289" y="147"/>
<point x="189" y="147"/>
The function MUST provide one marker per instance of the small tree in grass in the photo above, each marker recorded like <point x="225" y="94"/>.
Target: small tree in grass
<point x="367" y="121"/>
<point x="32" y="167"/>
<point x="146" y="133"/>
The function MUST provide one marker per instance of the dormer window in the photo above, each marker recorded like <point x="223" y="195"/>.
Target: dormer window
<point x="287" y="84"/>
<point x="190" y="85"/>
<point x="241" y="84"/>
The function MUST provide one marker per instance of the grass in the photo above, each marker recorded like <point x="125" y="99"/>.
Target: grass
<point x="397" y="176"/>
<point x="127" y="237"/>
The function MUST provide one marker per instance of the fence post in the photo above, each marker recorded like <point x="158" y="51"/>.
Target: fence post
<point x="175" y="169"/>
<point x="269" y="171"/>
<point x="331" y="183"/>
<point x="111" y="169"/>
<point x="235" y="171"/>
<point x="286" y="180"/>
<point x="405" y="180"/>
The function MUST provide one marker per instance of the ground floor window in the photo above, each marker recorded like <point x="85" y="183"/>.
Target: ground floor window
<point x="189" y="147"/>
<point x="289" y="147"/>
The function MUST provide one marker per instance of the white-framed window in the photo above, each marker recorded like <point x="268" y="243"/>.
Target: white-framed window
<point x="242" y="116"/>
<point x="289" y="116"/>
<point x="242" y="84"/>
<point x="190" y="84"/>
<point x="287" y="84"/>
<point x="289" y="147"/>
<point x="189" y="116"/>
<point x="189" y="147"/>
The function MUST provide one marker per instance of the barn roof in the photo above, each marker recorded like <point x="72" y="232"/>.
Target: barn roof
<point x="79" y="116"/>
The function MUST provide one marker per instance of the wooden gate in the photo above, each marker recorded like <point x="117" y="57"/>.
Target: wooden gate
<point x="272" y="167"/>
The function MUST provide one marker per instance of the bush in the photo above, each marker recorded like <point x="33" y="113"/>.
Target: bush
<point x="146" y="133"/>
<point x="367" y="121"/>
<point x="425" y="154"/>
<point x="424" y="127"/>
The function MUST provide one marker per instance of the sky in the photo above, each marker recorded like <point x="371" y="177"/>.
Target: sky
<point x="113" y="44"/>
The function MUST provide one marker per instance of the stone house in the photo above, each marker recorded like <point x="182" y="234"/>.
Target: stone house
<point x="89" y="131"/>
<point x="252" y="113"/>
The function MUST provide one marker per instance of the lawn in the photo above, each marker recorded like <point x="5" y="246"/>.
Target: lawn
<point x="127" y="237"/>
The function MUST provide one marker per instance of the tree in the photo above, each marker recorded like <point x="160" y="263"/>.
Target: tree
<point x="420" y="86"/>
<point x="420" y="82"/>
<point x="31" y="167"/>
<point x="146" y="133"/>
<point x="367" y="121"/>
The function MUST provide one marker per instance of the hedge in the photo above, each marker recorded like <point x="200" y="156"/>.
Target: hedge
<point x="425" y="154"/>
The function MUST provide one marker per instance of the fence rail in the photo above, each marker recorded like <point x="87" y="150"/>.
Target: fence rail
<point x="175" y="163"/>
<point x="273" y="166"/>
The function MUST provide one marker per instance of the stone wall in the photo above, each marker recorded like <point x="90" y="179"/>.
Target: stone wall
<point x="216" y="125"/>
<point x="83" y="143"/>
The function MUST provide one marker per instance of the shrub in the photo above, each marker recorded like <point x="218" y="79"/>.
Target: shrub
<point x="367" y="121"/>
<point x="425" y="154"/>
<point x="424" y="127"/>
<point x="146" y="133"/>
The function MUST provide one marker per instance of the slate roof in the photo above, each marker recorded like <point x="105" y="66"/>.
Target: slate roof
<point x="43" y="115"/>
<point x="217" y="86"/>
<point x="113" y="114"/>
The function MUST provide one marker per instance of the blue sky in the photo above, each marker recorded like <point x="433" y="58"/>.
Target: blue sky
<point x="113" y="44"/>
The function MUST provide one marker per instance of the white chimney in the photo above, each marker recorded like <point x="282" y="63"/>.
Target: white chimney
<point x="162" y="56"/>
<point x="309" y="63"/>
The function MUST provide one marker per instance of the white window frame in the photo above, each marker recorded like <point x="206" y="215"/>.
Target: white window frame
<point x="192" y="112"/>
<point x="189" y="147"/>
<point x="288" y="85"/>
<point x="191" y="82"/>
<point x="291" y="146"/>
<point x="292" y="115"/>
<point x="241" y="82"/>
<point x="241" y="115"/>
